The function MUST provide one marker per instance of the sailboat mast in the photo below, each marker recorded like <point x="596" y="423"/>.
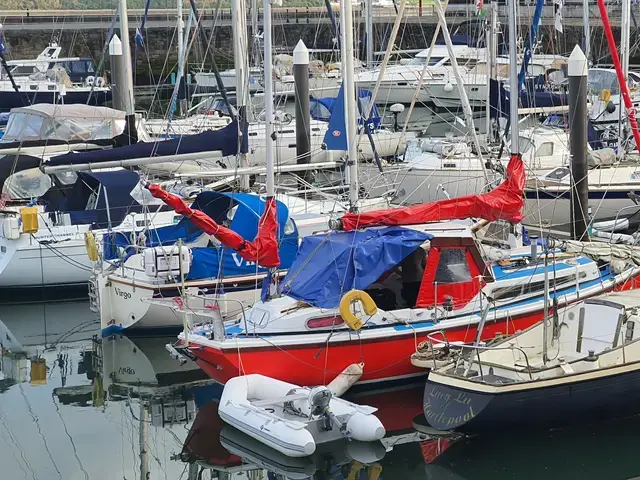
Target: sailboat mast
<point x="625" y="32"/>
<point x="513" y="77"/>
<point x="180" y="27"/>
<point x="368" y="22"/>
<point x="268" y="98"/>
<point x="350" y="112"/>
<point x="127" y="90"/>
<point x="241" y="62"/>
<point x="587" y="29"/>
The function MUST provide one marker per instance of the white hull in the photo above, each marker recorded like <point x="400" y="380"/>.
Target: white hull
<point x="127" y="304"/>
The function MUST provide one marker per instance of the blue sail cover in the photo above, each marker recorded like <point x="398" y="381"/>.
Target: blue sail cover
<point x="225" y="140"/>
<point x="112" y="190"/>
<point x="329" y="265"/>
<point x="210" y="262"/>
<point x="336" y="136"/>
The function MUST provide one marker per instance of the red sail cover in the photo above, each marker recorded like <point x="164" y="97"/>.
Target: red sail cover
<point x="502" y="203"/>
<point x="263" y="250"/>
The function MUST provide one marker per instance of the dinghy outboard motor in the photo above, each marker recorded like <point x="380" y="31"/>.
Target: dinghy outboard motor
<point x="319" y="399"/>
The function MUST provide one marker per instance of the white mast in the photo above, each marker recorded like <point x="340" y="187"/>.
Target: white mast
<point x="268" y="97"/>
<point x="126" y="57"/>
<point x="587" y="29"/>
<point x="625" y="32"/>
<point x="513" y="77"/>
<point x="350" y="112"/>
<point x="491" y="43"/>
<point x="368" y="23"/>
<point x="180" y="27"/>
<point x="464" y="99"/>
<point x="241" y="61"/>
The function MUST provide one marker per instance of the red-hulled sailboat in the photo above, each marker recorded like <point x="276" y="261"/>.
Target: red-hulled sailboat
<point x="428" y="280"/>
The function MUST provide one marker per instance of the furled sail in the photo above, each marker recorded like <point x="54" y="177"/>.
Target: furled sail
<point x="505" y="202"/>
<point x="263" y="250"/>
<point x="226" y="140"/>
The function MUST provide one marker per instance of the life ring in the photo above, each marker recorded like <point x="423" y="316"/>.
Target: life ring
<point x="370" y="307"/>
<point x="91" y="246"/>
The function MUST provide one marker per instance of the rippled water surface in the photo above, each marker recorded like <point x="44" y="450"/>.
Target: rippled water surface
<point x="77" y="406"/>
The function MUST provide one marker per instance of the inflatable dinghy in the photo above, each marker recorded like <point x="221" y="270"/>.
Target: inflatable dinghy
<point x="291" y="419"/>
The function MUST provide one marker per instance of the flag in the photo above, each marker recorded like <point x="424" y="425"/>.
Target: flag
<point x="139" y="38"/>
<point x="266" y="284"/>
<point x="3" y="45"/>
<point x="557" y="8"/>
<point x="479" y="7"/>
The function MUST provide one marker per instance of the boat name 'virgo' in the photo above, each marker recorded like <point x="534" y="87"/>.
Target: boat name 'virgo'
<point x="239" y="260"/>
<point x="120" y="293"/>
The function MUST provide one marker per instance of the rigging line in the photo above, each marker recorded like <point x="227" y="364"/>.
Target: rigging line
<point x="75" y="451"/>
<point x="37" y="422"/>
<point x="17" y="444"/>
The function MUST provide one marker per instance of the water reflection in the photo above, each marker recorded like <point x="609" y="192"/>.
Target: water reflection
<point x="77" y="406"/>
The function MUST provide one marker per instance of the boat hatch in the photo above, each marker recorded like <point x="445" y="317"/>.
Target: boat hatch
<point x="454" y="273"/>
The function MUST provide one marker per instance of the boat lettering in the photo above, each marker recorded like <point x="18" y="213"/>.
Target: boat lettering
<point x="239" y="260"/>
<point x="120" y="293"/>
<point x="127" y="370"/>
<point x="448" y="410"/>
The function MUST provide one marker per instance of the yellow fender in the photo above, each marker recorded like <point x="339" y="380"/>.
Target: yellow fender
<point x="370" y="307"/>
<point x="91" y="246"/>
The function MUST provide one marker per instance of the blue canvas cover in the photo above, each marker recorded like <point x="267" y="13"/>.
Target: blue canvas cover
<point x="113" y="188"/>
<point x="329" y="265"/>
<point x="210" y="262"/>
<point x="225" y="140"/>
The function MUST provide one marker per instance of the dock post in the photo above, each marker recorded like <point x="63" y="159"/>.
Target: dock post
<point x="578" y="72"/>
<point x="303" y="112"/>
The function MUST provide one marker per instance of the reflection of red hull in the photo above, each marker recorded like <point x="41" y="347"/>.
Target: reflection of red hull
<point x="203" y="440"/>
<point x="397" y="407"/>
<point x="385" y="358"/>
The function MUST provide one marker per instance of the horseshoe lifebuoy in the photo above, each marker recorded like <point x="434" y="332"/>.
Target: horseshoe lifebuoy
<point x="370" y="307"/>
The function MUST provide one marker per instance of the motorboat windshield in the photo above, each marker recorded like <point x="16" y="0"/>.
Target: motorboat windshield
<point x="63" y="122"/>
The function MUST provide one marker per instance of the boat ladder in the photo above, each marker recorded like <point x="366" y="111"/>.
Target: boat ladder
<point x="94" y="298"/>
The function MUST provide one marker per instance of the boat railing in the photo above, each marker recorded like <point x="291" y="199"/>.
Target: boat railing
<point x="478" y="348"/>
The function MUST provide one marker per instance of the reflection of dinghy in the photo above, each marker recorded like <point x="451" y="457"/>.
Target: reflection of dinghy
<point x="293" y="419"/>
<point x="325" y="459"/>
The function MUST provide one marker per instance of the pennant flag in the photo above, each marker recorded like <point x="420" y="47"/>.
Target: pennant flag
<point x="557" y="8"/>
<point x="266" y="286"/>
<point x="139" y="38"/>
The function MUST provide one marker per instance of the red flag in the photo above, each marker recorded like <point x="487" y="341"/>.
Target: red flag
<point x="263" y="250"/>
<point x="505" y="202"/>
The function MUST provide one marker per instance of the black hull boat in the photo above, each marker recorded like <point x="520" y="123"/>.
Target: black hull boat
<point x="588" y="400"/>
<point x="589" y="371"/>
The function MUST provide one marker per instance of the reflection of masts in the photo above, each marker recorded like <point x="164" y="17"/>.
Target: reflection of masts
<point x="144" y="441"/>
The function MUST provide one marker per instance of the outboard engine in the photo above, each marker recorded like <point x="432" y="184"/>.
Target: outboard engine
<point x="319" y="399"/>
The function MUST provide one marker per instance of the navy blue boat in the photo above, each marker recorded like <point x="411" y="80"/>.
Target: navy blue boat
<point x="584" y="367"/>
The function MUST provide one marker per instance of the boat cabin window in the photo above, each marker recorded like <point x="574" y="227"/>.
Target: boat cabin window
<point x="453" y="266"/>
<point x="600" y="80"/>
<point x="398" y="287"/>
<point x="289" y="227"/>
<point x="22" y="127"/>
<point x="524" y="144"/>
<point x="23" y="70"/>
<point x="26" y="185"/>
<point x="545" y="150"/>
<point x="423" y="60"/>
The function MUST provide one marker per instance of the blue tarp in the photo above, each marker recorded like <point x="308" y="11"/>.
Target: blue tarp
<point x="224" y="140"/>
<point x="246" y="208"/>
<point x="329" y="265"/>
